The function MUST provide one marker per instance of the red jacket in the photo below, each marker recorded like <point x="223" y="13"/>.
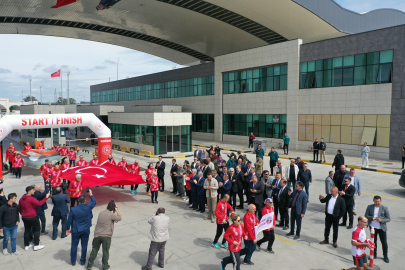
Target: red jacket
<point x="55" y="148"/>
<point x="41" y="170"/>
<point x="94" y="162"/>
<point x="221" y="212"/>
<point x="40" y="147"/>
<point x="111" y="161"/>
<point x="188" y="184"/>
<point x="74" y="185"/>
<point x="18" y="162"/>
<point x="232" y="234"/>
<point x="13" y="148"/>
<point x="252" y="137"/>
<point x="64" y="166"/>
<point x="56" y="180"/>
<point x="266" y="210"/>
<point x="47" y="171"/>
<point x="123" y="165"/>
<point x="72" y="155"/>
<point x="10" y="156"/>
<point x="63" y="151"/>
<point x="27" y="206"/>
<point x="249" y="223"/>
<point x="154" y="184"/>
<point x="81" y="163"/>
<point x="26" y="148"/>
<point x="149" y="173"/>
<point x="135" y="169"/>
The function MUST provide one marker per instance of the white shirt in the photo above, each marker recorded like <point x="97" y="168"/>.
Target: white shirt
<point x="375" y="223"/>
<point x="331" y="205"/>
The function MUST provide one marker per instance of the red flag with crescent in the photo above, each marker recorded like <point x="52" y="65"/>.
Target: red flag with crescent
<point x="103" y="175"/>
<point x="55" y="74"/>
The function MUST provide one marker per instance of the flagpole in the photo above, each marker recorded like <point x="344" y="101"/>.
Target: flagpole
<point x="117" y="67"/>
<point x="61" y="90"/>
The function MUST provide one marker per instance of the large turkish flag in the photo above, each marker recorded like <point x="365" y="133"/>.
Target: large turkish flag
<point x="61" y="3"/>
<point x="103" y="175"/>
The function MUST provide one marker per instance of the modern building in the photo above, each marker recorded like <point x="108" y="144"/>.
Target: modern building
<point x="309" y="68"/>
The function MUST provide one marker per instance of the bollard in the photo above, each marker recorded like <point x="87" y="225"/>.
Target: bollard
<point x="372" y="250"/>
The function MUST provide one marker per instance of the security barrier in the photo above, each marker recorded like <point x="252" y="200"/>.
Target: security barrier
<point x="145" y="153"/>
<point x="134" y="151"/>
<point x="124" y="149"/>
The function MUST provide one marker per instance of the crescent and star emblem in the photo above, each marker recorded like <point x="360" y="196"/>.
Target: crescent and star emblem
<point x="96" y="175"/>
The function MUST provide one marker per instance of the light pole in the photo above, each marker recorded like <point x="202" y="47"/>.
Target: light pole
<point x="40" y="91"/>
<point x="22" y="95"/>
<point x="30" y="89"/>
<point x="68" y="100"/>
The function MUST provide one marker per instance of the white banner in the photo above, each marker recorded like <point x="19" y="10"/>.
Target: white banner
<point x="265" y="223"/>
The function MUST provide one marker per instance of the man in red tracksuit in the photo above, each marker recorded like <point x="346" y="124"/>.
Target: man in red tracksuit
<point x="94" y="161"/>
<point x="249" y="223"/>
<point x="268" y="235"/>
<point x="221" y="214"/>
<point x="18" y="162"/>
<point x="27" y="207"/>
<point x="63" y="151"/>
<point x="10" y="156"/>
<point x="81" y="162"/>
<point x="56" y="179"/>
<point x="124" y="166"/>
<point x="12" y="148"/>
<point x="42" y="170"/>
<point x="66" y="183"/>
<point x="234" y="235"/>
<point x="75" y="189"/>
<point x="27" y="147"/>
<point x="47" y="173"/>
<point x="134" y="169"/>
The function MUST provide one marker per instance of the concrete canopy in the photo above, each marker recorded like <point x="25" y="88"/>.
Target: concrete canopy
<point x="182" y="31"/>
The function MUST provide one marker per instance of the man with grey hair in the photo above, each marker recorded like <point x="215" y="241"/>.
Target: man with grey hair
<point x="329" y="184"/>
<point x="199" y="182"/>
<point x="39" y="195"/>
<point x="159" y="234"/>
<point x="75" y="189"/>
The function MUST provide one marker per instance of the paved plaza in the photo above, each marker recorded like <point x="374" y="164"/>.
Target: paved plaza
<point x="190" y="243"/>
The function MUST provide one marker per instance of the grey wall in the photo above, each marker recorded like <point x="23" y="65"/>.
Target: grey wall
<point x="385" y="39"/>
<point x="202" y="70"/>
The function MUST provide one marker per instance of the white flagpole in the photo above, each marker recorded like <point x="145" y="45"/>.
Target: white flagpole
<point x="61" y="90"/>
<point x="117" y="67"/>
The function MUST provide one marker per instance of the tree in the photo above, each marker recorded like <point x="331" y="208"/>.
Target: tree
<point x="72" y="101"/>
<point x="28" y="99"/>
<point x="14" y="108"/>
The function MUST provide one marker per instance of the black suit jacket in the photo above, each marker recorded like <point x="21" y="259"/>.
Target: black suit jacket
<point x="161" y="168"/>
<point x="60" y="207"/>
<point x="259" y="194"/>
<point x="340" y="206"/>
<point x="173" y="169"/>
<point x="349" y="193"/>
<point x="240" y="180"/>
<point x="234" y="188"/>
<point x="194" y="165"/>
<point x="207" y="170"/>
<point x="284" y="198"/>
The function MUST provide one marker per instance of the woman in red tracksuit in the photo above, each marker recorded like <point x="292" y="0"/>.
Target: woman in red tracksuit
<point x="234" y="235"/>
<point x="17" y="165"/>
<point x="154" y="187"/>
<point x="268" y="235"/>
<point x="149" y="173"/>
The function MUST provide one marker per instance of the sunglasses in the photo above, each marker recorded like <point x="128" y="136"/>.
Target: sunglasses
<point x="266" y="174"/>
<point x="238" y="220"/>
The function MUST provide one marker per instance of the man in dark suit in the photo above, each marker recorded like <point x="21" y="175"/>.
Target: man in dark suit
<point x="60" y="212"/>
<point x="283" y="199"/>
<point x="255" y="195"/>
<point x="197" y="153"/>
<point x="41" y="209"/>
<point x="194" y="164"/>
<point x="160" y="168"/>
<point x="298" y="205"/>
<point x="193" y="189"/>
<point x="200" y="192"/>
<point x="173" y="169"/>
<point x="334" y="210"/>
<point x="79" y="223"/>
<point x="205" y="169"/>
<point x="240" y="180"/>
<point x="275" y="185"/>
<point x="339" y="177"/>
<point x="348" y="194"/>
<point x="234" y="188"/>
<point x="225" y="186"/>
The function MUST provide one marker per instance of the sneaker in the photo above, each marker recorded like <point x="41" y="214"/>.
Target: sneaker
<point x="38" y="247"/>
<point x="222" y="267"/>
<point x="136" y="191"/>
<point x="248" y="263"/>
<point x="257" y="247"/>
<point x="16" y="253"/>
<point x="225" y="245"/>
<point x="270" y="251"/>
<point x="215" y="245"/>
<point x="132" y="191"/>
<point x="28" y="247"/>
<point x="44" y="233"/>
<point x="5" y="252"/>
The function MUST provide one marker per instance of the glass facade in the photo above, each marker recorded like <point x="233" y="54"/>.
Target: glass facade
<point x="203" y="123"/>
<point x="359" y="69"/>
<point x="42" y="132"/>
<point x="164" y="139"/>
<point x="262" y="125"/>
<point x="256" y="80"/>
<point x="202" y="86"/>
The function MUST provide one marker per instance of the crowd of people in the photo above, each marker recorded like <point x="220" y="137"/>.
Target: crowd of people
<point x="214" y="184"/>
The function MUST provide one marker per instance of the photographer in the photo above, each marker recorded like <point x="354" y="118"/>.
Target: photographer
<point x="159" y="234"/>
<point x="9" y="219"/>
<point x="103" y="233"/>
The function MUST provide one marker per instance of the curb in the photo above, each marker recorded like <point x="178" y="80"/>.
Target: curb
<point x="306" y="160"/>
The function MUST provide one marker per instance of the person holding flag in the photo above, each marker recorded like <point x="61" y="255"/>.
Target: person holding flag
<point x="41" y="146"/>
<point x="134" y="169"/>
<point x="55" y="148"/>
<point x="42" y="170"/>
<point x="149" y="173"/>
<point x="221" y="214"/>
<point x="268" y="234"/>
<point x="63" y="151"/>
<point x="75" y="189"/>
<point x="94" y="161"/>
<point x="56" y="179"/>
<point x="81" y="162"/>
<point x="10" y="156"/>
<point x="72" y="157"/>
<point x="63" y="167"/>
<point x="12" y="147"/>
<point x="111" y="160"/>
<point x="27" y="147"/>
<point x="123" y="164"/>
<point x="234" y="235"/>
<point x="17" y="165"/>
<point x="249" y="223"/>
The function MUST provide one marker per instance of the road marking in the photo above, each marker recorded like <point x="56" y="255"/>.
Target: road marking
<point x="180" y="157"/>
<point x="384" y="171"/>
<point x="180" y="200"/>
<point x="354" y="167"/>
<point x="383" y="196"/>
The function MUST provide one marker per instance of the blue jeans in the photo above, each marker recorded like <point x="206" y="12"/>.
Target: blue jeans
<point x="83" y="237"/>
<point x="55" y="224"/>
<point x="10" y="231"/>
<point x="307" y="189"/>
<point x="250" y="247"/>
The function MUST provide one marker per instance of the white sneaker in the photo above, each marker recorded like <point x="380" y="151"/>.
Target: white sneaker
<point x="16" y="253"/>
<point x="28" y="247"/>
<point x="5" y="252"/>
<point x="38" y="247"/>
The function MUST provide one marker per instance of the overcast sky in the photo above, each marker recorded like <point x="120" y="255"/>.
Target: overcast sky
<point x="90" y="62"/>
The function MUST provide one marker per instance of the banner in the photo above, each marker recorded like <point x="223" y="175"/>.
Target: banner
<point x="265" y="223"/>
<point x="103" y="175"/>
<point x="34" y="158"/>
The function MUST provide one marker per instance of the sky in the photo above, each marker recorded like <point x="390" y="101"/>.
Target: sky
<point x="23" y="56"/>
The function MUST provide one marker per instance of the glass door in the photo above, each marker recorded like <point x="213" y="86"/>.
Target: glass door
<point x="176" y="139"/>
<point x="169" y="139"/>
<point x="55" y="136"/>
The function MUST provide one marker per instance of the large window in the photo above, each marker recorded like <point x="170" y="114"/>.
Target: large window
<point x="262" y="125"/>
<point x="359" y="69"/>
<point x="203" y="123"/>
<point x="42" y="133"/>
<point x="256" y="80"/>
<point x="202" y="86"/>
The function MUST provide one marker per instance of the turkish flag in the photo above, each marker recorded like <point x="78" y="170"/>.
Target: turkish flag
<point x="103" y="175"/>
<point x="61" y="3"/>
<point x="55" y="74"/>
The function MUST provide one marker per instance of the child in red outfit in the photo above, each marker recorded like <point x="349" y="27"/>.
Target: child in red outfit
<point x="154" y="187"/>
